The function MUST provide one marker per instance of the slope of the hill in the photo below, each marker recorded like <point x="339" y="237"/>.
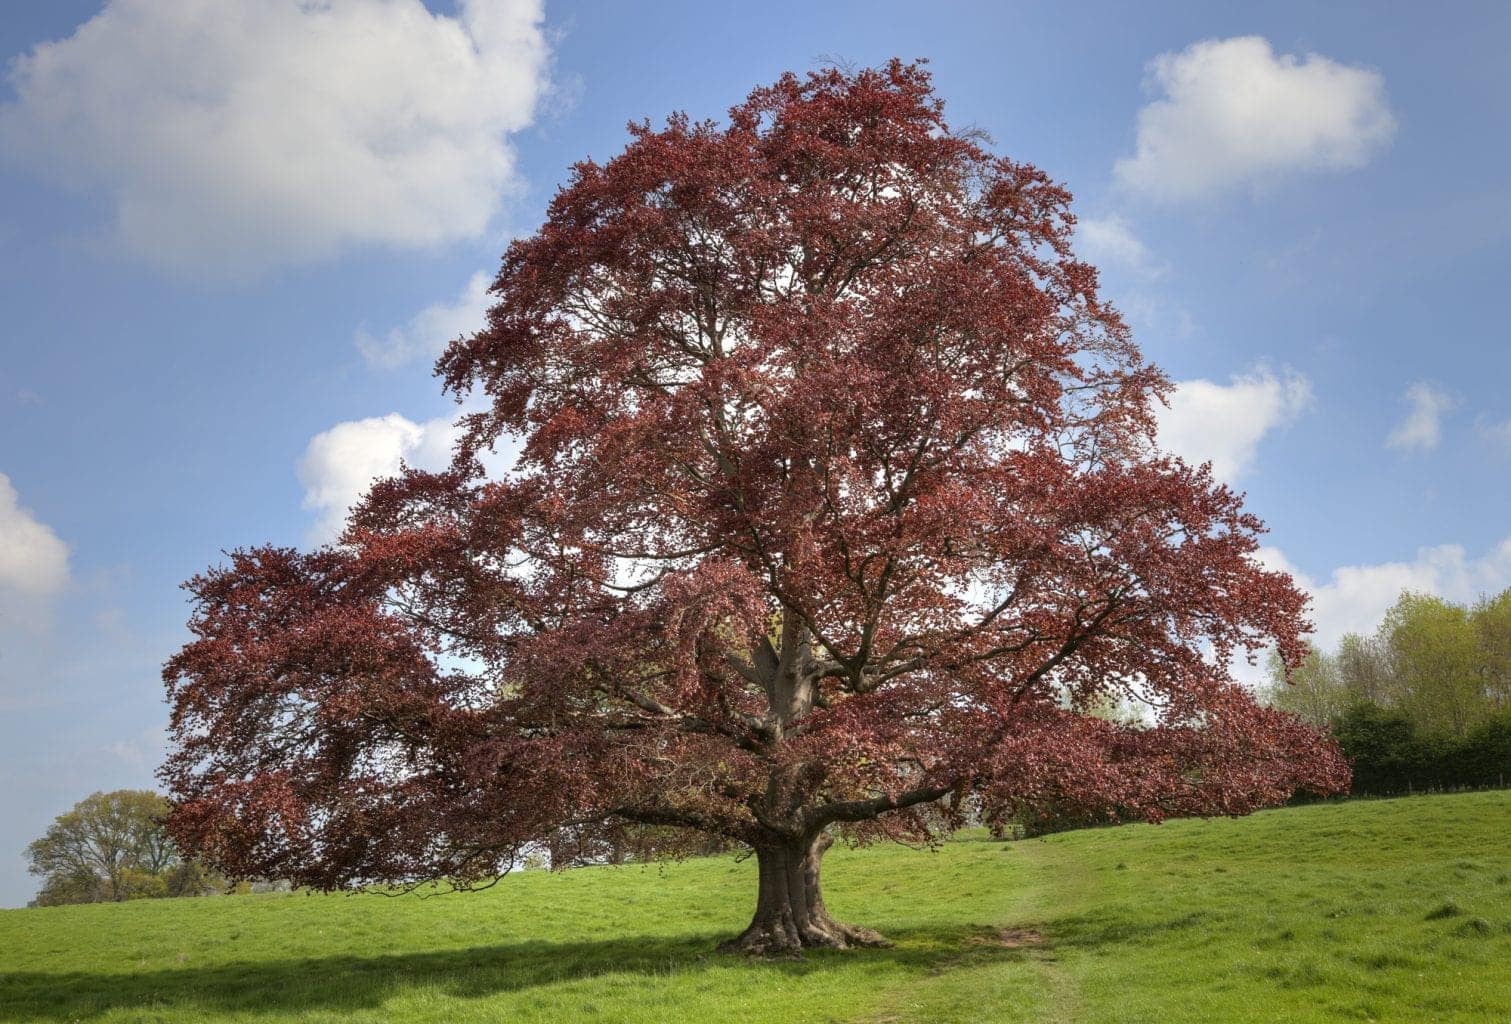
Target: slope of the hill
<point x="1380" y="910"/>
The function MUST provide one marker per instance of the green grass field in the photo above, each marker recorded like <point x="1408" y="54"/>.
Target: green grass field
<point x="1380" y="910"/>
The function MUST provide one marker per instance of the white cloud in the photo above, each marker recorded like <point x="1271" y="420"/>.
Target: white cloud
<point x="1234" y="113"/>
<point x="234" y="136"/>
<point x="341" y="463"/>
<point x="1110" y="240"/>
<point x="1355" y="597"/>
<point x="33" y="561"/>
<point x="430" y="330"/>
<point x="1224" y="423"/>
<point x="1422" y="429"/>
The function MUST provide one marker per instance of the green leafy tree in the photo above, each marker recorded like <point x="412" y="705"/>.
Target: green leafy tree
<point x="1363" y="668"/>
<point x="112" y="847"/>
<point x="1435" y="661"/>
<point x="1314" y="691"/>
<point x="70" y="886"/>
<point x="1491" y="619"/>
<point x="1424" y="703"/>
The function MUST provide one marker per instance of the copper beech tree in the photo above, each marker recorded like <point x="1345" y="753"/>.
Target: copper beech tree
<point x="838" y="513"/>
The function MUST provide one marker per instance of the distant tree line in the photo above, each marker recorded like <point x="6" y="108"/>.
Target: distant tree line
<point x="1424" y="703"/>
<point x="112" y="847"/>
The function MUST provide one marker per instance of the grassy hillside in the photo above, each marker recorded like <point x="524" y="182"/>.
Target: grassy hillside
<point x="1390" y="910"/>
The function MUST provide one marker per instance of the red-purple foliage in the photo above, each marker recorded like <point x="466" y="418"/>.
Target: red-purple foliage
<point x="838" y="511"/>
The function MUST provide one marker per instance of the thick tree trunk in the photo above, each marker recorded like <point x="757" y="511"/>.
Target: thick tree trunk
<point x="790" y="914"/>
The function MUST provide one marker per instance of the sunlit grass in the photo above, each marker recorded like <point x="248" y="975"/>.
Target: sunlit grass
<point x="1384" y="910"/>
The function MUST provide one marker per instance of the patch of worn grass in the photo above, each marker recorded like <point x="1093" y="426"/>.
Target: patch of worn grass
<point x="1318" y="913"/>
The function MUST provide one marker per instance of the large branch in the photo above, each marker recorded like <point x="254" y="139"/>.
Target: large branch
<point x="865" y="810"/>
<point x="675" y="818"/>
<point x="693" y="723"/>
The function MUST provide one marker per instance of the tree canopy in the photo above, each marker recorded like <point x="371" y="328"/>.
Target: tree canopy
<point x="838" y="513"/>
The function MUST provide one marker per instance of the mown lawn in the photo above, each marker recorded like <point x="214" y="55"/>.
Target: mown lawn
<point x="1373" y="910"/>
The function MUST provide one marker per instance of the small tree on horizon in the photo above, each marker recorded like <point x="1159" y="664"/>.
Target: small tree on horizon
<point x="111" y="847"/>
<point x="838" y="513"/>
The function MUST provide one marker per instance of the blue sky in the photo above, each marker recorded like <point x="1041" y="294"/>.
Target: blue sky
<point x="231" y="242"/>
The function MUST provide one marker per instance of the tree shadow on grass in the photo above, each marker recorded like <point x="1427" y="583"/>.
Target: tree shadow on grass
<point x="351" y="983"/>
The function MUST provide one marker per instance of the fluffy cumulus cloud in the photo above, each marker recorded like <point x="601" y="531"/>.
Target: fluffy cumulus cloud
<point x="1232" y="112"/>
<point x="1111" y="241"/>
<point x="342" y="462"/>
<point x="1354" y="598"/>
<point x="1422" y="429"/>
<point x="239" y="135"/>
<point x="431" y="329"/>
<point x="1224" y="423"/>
<point x="33" y="561"/>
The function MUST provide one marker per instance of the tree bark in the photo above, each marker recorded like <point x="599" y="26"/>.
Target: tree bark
<point x="790" y="915"/>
